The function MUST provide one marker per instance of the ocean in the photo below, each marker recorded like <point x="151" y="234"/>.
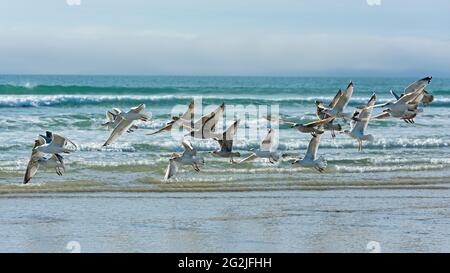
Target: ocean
<point x="115" y="199"/>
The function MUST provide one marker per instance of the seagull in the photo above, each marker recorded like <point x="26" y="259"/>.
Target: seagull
<point x="183" y="119"/>
<point x="360" y="122"/>
<point x="329" y="126"/>
<point x="37" y="159"/>
<point x="415" y="86"/>
<point x="226" y="143"/>
<point x="406" y="107"/>
<point x="265" y="150"/>
<point x="338" y="109"/>
<point x="310" y="160"/>
<point x="189" y="157"/>
<point x="113" y="120"/>
<point x="205" y="127"/>
<point x="126" y="122"/>
<point x="54" y="144"/>
<point x="310" y="127"/>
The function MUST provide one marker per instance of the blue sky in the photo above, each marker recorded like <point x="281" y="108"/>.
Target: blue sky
<point x="226" y="37"/>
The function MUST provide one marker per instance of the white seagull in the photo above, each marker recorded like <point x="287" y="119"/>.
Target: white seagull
<point x="183" y="120"/>
<point x="226" y="143"/>
<point x="189" y="157"/>
<point x="37" y="159"/>
<point x="205" y="127"/>
<point x="338" y="109"/>
<point x="113" y="120"/>
<point x="406" y="107"/>
<point x="265" y="151"/>
<point x="360" y="122"/>
<point x="415" y="86"/>
<point x="313" y="127"/>
<point x="310" y="160"/>
<point x="329" y="126"/>
<point x="126" y="122"/>
<point x="54" y="144"/>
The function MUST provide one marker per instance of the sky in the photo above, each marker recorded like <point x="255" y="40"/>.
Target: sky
<point x="226" y="37"/>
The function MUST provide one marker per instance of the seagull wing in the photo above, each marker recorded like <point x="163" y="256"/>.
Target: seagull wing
<point x="313" y="146"/>
<point x="168" y="127"/>
<point x="226" y="143"/>
<point x="335" y="99"/>
<point x="318" y="122"/>
<point x="382" y="116"/>
<point x="249" y="158"/>
<point x="137" y="109"/>
<point x="189" y="112"/>
<point x="188" y="148"/>
<point x="110" y="116"/>
<point x="59" y="140"/>
<point x="267" y="142"/>
<point x="397" y="97"/>
<point x="344" y="98"/>
<point x="32" y="168"/>
<point x="417" y="85"/>
<point x="364" y="116"/>
<point x="408" y="97"/>
<point x="171" y="169"/>
<point x="122" y="127"/>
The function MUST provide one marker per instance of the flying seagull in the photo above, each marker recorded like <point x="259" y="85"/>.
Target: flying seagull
<point x="189" y="157"/>
<point x="126" y="122"/>
<point x="226" y="143"/>
<point x="205" y="127"/>
<point x="52" y="143"/>
<point x="311" y="127"/>
<point x="310" y="160"/>
<point x="38" y="159"/>
<point x="415" y="86"/>
<point x="405" y="108"/>
<point x="184" y="119"/>
<point x="359" y="124"/>
<point x="338" y="109"/>
<point x="329" y="126"/>
<point x="265" y="151"/>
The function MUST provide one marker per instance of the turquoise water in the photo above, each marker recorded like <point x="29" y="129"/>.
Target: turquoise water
<point x="75" y="107"/>
<point x="401" y="178"/>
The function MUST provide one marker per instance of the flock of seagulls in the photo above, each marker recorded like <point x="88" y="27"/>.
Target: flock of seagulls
<point x="48" y="148"/>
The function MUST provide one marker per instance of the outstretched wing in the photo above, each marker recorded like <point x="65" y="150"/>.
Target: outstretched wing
<point x="335" y="99"/>
<point x="318" y="122"/>
<point x="344" y="98"/>
<point x="382" y="116"/>
<point x="397" y="97"/>
<point x="226" y="143"/>
<point x="364" y="116"/>
<point x="122" y="127"/>
<point x="249" y="158"/>
<point x="417" y="85"/>
<point x="313" y="146"/>
<point x="32" y="169"/>
<point x="168" y="127"/>
<point x="137" y="109"/>
<point x="171" y="169"/>
<point x="267" y="142"/>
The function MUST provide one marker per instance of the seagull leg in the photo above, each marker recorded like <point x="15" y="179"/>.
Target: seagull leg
<point x="333" y="134"/>
<point x="196" y="168"/>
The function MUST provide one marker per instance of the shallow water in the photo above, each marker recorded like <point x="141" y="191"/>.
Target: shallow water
<point x="275" y="221"/>
<point x="118" y="197"/>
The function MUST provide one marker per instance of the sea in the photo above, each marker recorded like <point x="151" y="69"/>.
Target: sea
<point x="394" y="193"/>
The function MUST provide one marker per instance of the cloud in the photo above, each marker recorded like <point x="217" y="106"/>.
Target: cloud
<point x="100" y="50"/>
<point x="373" y="2"/>
<point x="73" y="2"/>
